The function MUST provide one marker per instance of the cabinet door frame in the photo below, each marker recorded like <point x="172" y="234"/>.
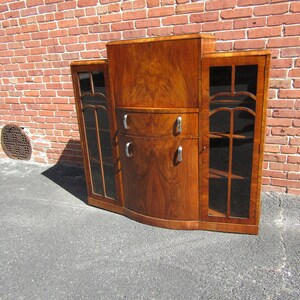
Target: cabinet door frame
<point x="262" y="59"/>
<point x="94" y="199"/>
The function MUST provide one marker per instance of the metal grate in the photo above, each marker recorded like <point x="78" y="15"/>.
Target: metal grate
<point x="15" y="142"/>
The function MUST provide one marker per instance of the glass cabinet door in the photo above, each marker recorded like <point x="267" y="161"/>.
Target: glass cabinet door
<point x="91" y="92"/>
<point x="232" y="103"/>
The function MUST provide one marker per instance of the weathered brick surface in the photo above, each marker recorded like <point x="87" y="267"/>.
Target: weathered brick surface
<point x="39" y="39"/>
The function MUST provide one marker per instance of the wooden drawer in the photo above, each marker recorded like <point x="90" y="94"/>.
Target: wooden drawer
<point x="168" y="124"/>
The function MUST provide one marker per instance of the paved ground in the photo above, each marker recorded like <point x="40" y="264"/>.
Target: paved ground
<point x="54" y="246"/>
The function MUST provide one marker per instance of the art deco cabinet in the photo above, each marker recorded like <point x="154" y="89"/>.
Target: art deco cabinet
<point x="173" y="132"/>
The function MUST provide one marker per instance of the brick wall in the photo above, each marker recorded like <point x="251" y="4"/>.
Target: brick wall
<point x="39" y="38"/>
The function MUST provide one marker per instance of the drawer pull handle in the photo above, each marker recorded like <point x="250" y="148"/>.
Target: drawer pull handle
<point x="127" y="153"/>
<point x="179" y="154"/>
<point x="125" y="118"/>
<point x="179" y="124"/>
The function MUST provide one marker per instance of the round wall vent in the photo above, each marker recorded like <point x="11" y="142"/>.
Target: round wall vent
<point x="15" y="142"/>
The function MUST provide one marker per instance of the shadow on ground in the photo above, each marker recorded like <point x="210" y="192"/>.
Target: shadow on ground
<point x="71" y="178"/>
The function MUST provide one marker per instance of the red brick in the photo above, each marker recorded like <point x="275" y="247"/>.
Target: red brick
<point x="296" y="123"/>
<point x="137" y="33"/>
<point x="224" y="46"/>
<point x="231" y="35"/>
<point x="16" y="5"/>
<point x="67" y="23"/>
<point x="250" y="22"/>
<point x="189" y="8"/>
<point x="88" y="38"/>
<point x="91" y="46"/>
<point x="161" y="31"/>
<point x="294" y="159"/>
<point x="289" y="94"/>
<point x="181" y="1"/>
<point x="249" y="44"/>
<point x="293" y="176"/>
<point x="292" y="30"/>
<point x="284" y="19"/>
<point x="147" y="23"/>
<point x="220" y="4"/>
<point x="277" y="140"/>
<point x="166" y="2"/>
<point x="281" y="63"/>
<point x="99" y="28"/>
<point x="88" y="20"/>
<point x="295" y="7"/>
<point x="277" y="73"/>
<point x="295" y="141"/>
<point x="175" y="20"/>
<point x="187" y="29"/>
<point x="280" y="83"/>
<point x="30" y="3"/>
<point x="115" y="7"/>
<point x="77" y="47"/>
<point x="111" y="18"/>
<point x="283" y="42"/>
<point x="204" y="17"/>
<point x="122" y="26"/>
<point x="47" y="26"/>
<point x="273" y="9"/>
<point x="274" y="189"/>
<point x="53" y="1"/>
<point x="158" y="12"/>
<point x="275" y="158"/>
<point x="286" y="113"/>
<point x="295" y="72"/>
<point x="217" y="26"/>
<point x="279" y="122"/>
<point x="284" y="167"/>
<point x="55" y="33"/>
<point x="236" y="13"/>
<point x="85" y="3"/>
<point x="152" y="3"/>
<point x="272" y="148"/>
<point x="110" y="36"/>
<point x="286" y="183"/>
<point x="288" y="149"/>
<point x="251" y="2"/>
<point x="126" y="5"/>
<point x="28" y="12"/>
<point x="264" y="32"/>
<point x="293" y="191"/>
<point x="275" y="174"/>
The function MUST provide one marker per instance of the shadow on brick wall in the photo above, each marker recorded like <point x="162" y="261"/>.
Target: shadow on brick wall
<point x="68" y="172"/>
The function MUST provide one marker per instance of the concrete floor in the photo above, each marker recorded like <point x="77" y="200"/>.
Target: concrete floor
<point x="54" y="246"/>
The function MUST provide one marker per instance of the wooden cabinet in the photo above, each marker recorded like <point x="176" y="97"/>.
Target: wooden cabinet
<point x="186" y="132"/>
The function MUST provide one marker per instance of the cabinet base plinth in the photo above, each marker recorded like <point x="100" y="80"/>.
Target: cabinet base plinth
<point x="192" y="225"/>
<point x="174" y="224"/>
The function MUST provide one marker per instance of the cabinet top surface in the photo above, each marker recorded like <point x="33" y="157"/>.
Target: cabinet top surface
<point x="160" y="39"/>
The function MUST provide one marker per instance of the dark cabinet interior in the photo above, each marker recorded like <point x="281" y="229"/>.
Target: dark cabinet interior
<point x="172" y="132"/>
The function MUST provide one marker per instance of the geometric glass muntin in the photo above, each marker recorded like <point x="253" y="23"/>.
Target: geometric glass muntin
<point x="231" y="124"/>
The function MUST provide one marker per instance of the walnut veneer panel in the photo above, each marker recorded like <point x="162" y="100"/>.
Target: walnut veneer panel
<point x="159" y="74"/>
<point x="154" y="184"/>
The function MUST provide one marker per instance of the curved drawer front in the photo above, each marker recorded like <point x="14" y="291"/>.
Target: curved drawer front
<point x="179" y="124"/>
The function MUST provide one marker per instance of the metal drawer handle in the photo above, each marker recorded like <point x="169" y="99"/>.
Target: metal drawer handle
<point x="125" y="119"/>
<point x="127" y="153"/>
<point x="179" y="124"/>
<point x="179" y="154"/>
